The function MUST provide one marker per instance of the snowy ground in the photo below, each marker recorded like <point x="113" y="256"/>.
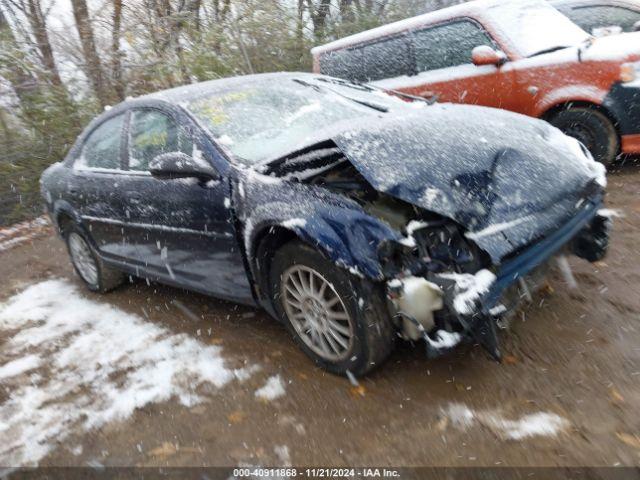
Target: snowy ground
<point x="151" y="375"/>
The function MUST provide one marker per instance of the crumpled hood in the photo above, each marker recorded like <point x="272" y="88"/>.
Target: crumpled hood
<point x="504" y="177"/>
<point x="623" y="47"/>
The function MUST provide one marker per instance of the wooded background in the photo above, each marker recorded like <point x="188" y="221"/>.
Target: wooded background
<point x="63" y="61"/>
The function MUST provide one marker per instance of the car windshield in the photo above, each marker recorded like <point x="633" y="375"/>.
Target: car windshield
<point x="259" y="122"/>
<point x="534" y="27"/>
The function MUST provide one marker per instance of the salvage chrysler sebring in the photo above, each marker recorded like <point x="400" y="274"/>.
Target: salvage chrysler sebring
<point x="352" y="215"/>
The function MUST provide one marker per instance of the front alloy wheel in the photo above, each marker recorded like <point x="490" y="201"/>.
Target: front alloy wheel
<point x="317" y="313"/>
<point x="339" y="320"/>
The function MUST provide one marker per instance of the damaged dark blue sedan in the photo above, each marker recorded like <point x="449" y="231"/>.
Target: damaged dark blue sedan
<point x="352" y="215"/>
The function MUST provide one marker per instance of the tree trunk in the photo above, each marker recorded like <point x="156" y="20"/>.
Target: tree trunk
<point x="116" y="61"/>
<point x="22" y="81"/>
<point x="38" y="25"/>
<point x="319" y="16"/>
<point x="93" y="66"/>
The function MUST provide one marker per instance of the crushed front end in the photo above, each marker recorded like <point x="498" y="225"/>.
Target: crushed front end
<point x="446" y="291"/>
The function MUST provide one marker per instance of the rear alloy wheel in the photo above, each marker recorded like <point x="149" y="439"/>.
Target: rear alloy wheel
<point x="339" y="320"/>
<point x="593" y="129"/>
<point x="97" y="276"/>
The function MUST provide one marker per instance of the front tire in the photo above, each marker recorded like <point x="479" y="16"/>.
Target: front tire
<point x="340" y="321"/>
<point x="593" y="129"/>
<point x="97" y="276"/>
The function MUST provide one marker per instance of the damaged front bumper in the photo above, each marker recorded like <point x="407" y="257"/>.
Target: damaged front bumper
<point x="474" y="301"/>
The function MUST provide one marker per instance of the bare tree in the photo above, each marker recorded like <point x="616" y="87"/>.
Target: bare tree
<point x="319" y="13"/>
<point x="93" y="66"/>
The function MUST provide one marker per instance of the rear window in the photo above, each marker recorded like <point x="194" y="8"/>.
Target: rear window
<point x="386" y="58"/>
<point x="591" y="18"/>
<point x="347" y="64"/>
<point x="448" y="45"/>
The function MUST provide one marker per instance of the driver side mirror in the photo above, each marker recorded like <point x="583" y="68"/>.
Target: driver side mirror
<point x="172" y="165"/>
<point x="636" y="27"/>
<point x="485" y="55"/>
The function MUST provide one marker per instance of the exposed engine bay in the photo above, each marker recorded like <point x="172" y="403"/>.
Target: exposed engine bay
<point x="437" y="277"/>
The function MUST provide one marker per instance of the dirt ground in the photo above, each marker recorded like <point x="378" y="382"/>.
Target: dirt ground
<point x="575" y="353"/>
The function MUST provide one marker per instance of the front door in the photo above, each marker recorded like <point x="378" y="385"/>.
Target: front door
<point x="445" y="71"/>
<point x="182" y="228"/>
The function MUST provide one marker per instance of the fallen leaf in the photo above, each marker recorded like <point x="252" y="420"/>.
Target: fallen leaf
<point x="358" y="390"/>
<point x="165" y="450"/>
<point x="616" y="396"/>
<point x="216" y="341"/>
<point x="547" y="289"/>
<point x="303" y="376"/>
<point x="631" y="440"/>
<point x="236" y="417"/>
<point x="601" y="264"/>
<point x="510" y="359"/>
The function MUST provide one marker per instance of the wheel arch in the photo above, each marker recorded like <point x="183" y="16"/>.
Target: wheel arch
<point x="556" y="108"/>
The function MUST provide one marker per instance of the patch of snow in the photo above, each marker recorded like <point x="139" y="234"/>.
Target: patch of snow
<point x="100" y="364"/>
<point x="445" y="339"/>
<point x="469" y="289"/>
<point x="294" y="223"/>
<point x="610" y="213"/>
<point x="225" y="140"/>
<point x="20" y="365"/>
<point x="274" y="388"/>
<point x="282" y="452"/>
<point x="537" y="424"/>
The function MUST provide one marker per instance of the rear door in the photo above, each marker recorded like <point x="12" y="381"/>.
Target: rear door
<point x="444" y="69"/>
<point x="94" y="188"/>
<point x="183" y="228"/>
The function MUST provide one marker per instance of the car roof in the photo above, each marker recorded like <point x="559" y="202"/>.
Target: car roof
<point x="572" y="3"/>
<point x="472" y="8"/>
<point x="196" y="90"/>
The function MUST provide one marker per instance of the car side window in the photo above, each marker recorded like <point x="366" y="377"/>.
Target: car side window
<point x="152" y="133"/>
<point x="600" y="16"/>
<point x="388" y="58"/>
<point x="448" y="45"/>
<point x="101" y="150"/>
<point x="347" y="64"/>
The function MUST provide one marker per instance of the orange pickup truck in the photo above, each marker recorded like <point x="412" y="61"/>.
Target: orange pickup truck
<point x="521" y="55"/>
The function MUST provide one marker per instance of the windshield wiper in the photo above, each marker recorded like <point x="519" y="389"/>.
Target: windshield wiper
<point x="374" y="106"/>
<point x="549" y="50"/>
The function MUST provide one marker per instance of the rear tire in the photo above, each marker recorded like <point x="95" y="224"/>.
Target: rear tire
<point x="593" y="129"/>
<point x="340" y="321"/>
<point x="97" y="276"/>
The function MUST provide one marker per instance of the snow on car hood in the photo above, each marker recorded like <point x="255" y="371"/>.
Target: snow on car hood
<point x="625" y="46"/>
<point x="506" y="178"/>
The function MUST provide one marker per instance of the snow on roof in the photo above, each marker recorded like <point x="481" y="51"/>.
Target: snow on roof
<point x="530" y="26"/>
<point x="195" y="90"/>
<point x="406" y="24"/>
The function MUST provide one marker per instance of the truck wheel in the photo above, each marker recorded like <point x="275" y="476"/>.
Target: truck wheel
<point x="97" y="276"/>
<point x="338" y="320"/>
<point x="593" y="129"/>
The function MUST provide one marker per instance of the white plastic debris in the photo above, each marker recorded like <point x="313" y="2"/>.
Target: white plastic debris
<point x="566" y="271"/>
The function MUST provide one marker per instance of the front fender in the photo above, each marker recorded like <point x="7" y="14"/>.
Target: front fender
<point x="335" y="225"/>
